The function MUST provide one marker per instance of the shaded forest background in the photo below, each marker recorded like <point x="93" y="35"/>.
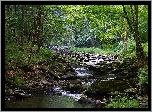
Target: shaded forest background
<point x="121" y="28"/>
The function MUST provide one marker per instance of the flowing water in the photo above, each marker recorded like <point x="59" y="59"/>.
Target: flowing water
<point x="64" y="98"/>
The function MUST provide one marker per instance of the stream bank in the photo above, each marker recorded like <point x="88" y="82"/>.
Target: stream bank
<point x="88" y="80"/>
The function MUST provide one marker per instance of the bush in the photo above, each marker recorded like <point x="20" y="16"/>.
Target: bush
<point x="45" y="53"/>
<point x="145" y="48"/>
<point x="118" y="48"/>
<point x="131" y="49"/>
<point x="143" y="77"/>
<point x="13" y="82"/>
<point x="42" y="55"/>
<point x="19" y="56"/>
<point x="13" y="56"/>
<point x="124" y="102"/>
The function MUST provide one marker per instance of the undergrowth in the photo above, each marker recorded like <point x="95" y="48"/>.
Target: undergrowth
<point x="19" y="56"/>
<point x="124" y="102"/>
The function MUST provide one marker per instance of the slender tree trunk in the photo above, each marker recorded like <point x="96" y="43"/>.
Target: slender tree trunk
<point x="6" y="9"/>
<point x="40" y="30"/>
<point x="34" y="32"/>
<point x="15" y="33"/>
<point x="139" y="50"/>
<point x="7" y="29"/>
<point x="125" y="37"/>
<point x="29" y="32"/>
<point x="22" y="35"/>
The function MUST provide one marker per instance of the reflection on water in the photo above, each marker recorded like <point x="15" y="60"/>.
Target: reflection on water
<point x="40" y="101"/>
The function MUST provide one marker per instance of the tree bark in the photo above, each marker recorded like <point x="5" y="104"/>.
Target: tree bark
<point x="40" y="27"/>
<point x="139" y="50"/>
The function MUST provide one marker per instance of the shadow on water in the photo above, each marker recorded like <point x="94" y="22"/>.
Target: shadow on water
<point x="46" y="101"/>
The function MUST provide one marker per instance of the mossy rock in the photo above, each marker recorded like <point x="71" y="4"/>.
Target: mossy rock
<point x="113" y="85"/>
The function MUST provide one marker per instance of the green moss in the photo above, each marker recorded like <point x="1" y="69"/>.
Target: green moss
<point x="114" y="85"/>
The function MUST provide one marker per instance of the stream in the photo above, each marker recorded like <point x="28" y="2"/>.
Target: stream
<point x="57" y="98"/>
<point x="91" y="85"/>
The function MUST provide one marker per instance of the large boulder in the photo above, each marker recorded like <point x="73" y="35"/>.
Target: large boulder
<point x="105" y="87"/>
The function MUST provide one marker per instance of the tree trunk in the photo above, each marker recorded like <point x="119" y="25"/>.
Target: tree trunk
<point x="34" y="33"/>
<point x="141" y="57"/>
<point x="28" y="32"/>
<point x="6" y="10"/>
<point x="40" y="30"/>
<point x="139" y="50"/>
<point x="15" y="33"/>
<point x="22" y="35"/>
<point x="92" y="42"/>
<point x="125" y="37"/>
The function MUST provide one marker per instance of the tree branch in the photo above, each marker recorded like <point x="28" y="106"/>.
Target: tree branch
<point x="128" y="20"/>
